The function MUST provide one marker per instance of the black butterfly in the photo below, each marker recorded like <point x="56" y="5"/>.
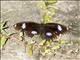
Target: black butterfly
<point x="47" y="31"/>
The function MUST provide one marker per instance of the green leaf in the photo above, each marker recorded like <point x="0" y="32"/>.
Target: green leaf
<point x="46" y="18"/>
<point x="2" y="41"/>
<point x="48" y="2"/>
<point x="30" y="51"/>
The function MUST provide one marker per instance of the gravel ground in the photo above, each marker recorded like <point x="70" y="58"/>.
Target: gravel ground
<point x="68" y="13"/>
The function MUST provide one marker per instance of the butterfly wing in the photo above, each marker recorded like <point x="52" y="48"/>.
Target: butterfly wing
<point x="33" y="29"/>
<point x="30" y="28"/>
<point x="51" y="30"/>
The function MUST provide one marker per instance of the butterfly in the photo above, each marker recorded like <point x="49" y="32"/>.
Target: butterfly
<point x="46" y="31"/>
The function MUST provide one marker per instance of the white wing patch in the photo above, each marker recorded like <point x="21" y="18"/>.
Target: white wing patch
<point x="49" y="34"/>
<point x="23" y="26"/>
<point x="34" y="32"/>
<point x="59" y="28"/>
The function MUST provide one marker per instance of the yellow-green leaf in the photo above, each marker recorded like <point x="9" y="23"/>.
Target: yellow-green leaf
<point x="48" y="2"/>
<point x="42" y="42"/>
<point x="2" y="41"/>
<point x="46" y="18"/>
<point x="30" y="51"/>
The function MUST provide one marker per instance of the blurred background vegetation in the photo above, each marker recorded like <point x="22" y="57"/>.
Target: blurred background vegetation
<point x="63" y="12"/>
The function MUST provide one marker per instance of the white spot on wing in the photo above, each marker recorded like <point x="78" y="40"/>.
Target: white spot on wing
<point x="23" y="26"/>
<point x="59" y="28"/>
<point x="34" y="32"/>
<point x="49" y="34"/>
